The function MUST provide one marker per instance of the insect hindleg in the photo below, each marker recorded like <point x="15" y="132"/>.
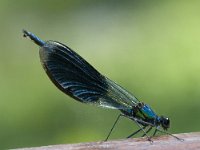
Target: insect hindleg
<point x="113" y="126"/>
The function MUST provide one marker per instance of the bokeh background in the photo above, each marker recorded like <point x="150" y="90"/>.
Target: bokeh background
<point x="152" y="48"/>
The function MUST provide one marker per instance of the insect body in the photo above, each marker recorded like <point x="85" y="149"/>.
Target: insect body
<point x="78" y="79"/>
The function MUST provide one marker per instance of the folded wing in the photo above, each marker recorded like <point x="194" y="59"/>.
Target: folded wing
<point x="77" y="78"/>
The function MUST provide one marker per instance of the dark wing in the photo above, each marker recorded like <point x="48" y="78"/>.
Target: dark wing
<point x="77" y="78"/>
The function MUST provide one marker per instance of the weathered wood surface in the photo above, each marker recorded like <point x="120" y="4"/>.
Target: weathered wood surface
<point x="191" y="142"/>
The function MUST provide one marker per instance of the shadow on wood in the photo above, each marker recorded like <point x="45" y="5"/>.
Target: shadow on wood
<point x="191" y="142"/>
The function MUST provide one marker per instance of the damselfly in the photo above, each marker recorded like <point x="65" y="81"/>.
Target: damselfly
<point x="78" y="79"/>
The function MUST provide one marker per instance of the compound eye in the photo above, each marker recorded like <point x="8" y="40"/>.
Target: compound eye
<point x="166" y="122"/>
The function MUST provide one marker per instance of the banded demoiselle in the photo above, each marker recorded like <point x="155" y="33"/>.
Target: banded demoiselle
<point x="77" y="78"/>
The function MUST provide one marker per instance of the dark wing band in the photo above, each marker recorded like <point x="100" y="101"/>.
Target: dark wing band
<point x="77" y="78"/>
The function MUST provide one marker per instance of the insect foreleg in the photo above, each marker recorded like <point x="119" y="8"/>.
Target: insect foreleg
<point x="169" y="134"/>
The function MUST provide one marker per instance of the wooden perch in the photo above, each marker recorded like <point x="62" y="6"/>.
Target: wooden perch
<point x="191" y="142"/>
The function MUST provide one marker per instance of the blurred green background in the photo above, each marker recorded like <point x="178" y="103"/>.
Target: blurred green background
<point x="151" y="48"/>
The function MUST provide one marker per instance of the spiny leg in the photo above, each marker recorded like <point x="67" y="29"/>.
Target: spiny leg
<point x="136" y="132"/>
<point x="147" y="131"/>
<point x="170" y="134"/>
<point x="155" y="132"/>
<point x="142" y="130"/>
<point x="113" y="126"/>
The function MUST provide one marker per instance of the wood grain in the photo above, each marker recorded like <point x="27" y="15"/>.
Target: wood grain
<point x="191" y="142"/>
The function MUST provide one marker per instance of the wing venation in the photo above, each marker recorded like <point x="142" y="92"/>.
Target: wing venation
<point x="77" y="78"/>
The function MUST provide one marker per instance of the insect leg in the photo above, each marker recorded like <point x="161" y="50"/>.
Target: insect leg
<point x="147" y="131"/>
<point x="113" y="126"/>
<point x="170" y="134"/>
<point x="155" y="132"/>
<point x="136" y="132"/>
